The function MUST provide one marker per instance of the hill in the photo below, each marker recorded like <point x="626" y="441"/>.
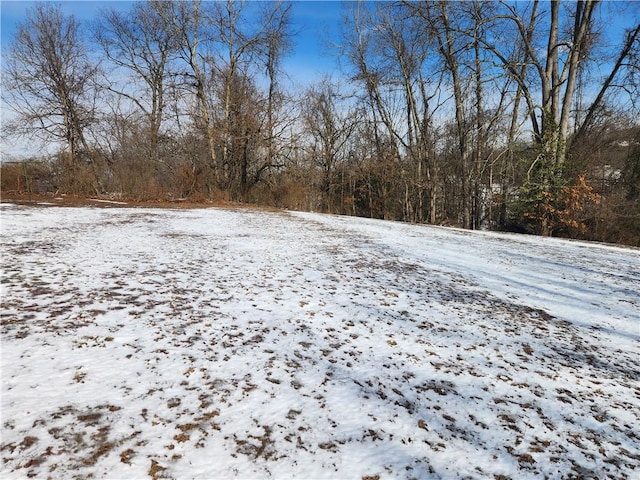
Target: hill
<point x="233" y="343"/>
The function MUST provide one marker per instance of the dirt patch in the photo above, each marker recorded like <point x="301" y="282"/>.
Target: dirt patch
<point x="44" y="200"/>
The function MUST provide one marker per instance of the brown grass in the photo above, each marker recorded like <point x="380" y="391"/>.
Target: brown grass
<point x="63" y="200"/>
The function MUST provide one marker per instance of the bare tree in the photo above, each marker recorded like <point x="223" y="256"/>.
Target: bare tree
<point x="629" y="57"/>
<point x="143" y="45"/>
<point x="243" y="47"/>
<point x="189" y="22"/>
<point x="455" y="28"/>
<point x="556" y="43"/>
<point x="557" y="67"/>
<point x="329" y="124"/>
<point x="222" y="51"/>
<point x="50" y="82"/>
<point x="388" y="56"/>
<point x="277" y="43"/>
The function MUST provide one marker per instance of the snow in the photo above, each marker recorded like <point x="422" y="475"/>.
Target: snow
<point x="222" y="343"/>
<point x="113" y="202"/>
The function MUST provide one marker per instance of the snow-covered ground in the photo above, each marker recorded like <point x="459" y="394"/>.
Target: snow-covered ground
<point x="213" y="343"/>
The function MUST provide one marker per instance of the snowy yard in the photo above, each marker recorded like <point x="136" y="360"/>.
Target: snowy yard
<point x="213" y="343"/>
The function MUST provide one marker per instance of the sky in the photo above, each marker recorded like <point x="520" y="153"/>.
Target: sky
<point x="313" y="23"/>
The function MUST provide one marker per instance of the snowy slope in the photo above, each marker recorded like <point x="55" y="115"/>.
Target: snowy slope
<point x="240" y="344"/>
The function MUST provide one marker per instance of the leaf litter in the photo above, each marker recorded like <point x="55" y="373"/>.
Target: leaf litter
<point x="219" y="343"/>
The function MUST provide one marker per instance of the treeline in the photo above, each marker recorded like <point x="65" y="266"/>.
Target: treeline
<point x="519" y="116"/>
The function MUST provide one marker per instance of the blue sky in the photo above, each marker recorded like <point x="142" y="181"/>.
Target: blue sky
<point x="314" y="24"/>
<point x="313" y="21"/>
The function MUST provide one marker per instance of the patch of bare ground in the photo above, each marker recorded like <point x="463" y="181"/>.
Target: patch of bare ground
<point x="68" y="438"/>
<point x="63" y="200"/>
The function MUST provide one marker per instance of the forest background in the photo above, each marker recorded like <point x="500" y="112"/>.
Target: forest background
<point x="516" y="116"/>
